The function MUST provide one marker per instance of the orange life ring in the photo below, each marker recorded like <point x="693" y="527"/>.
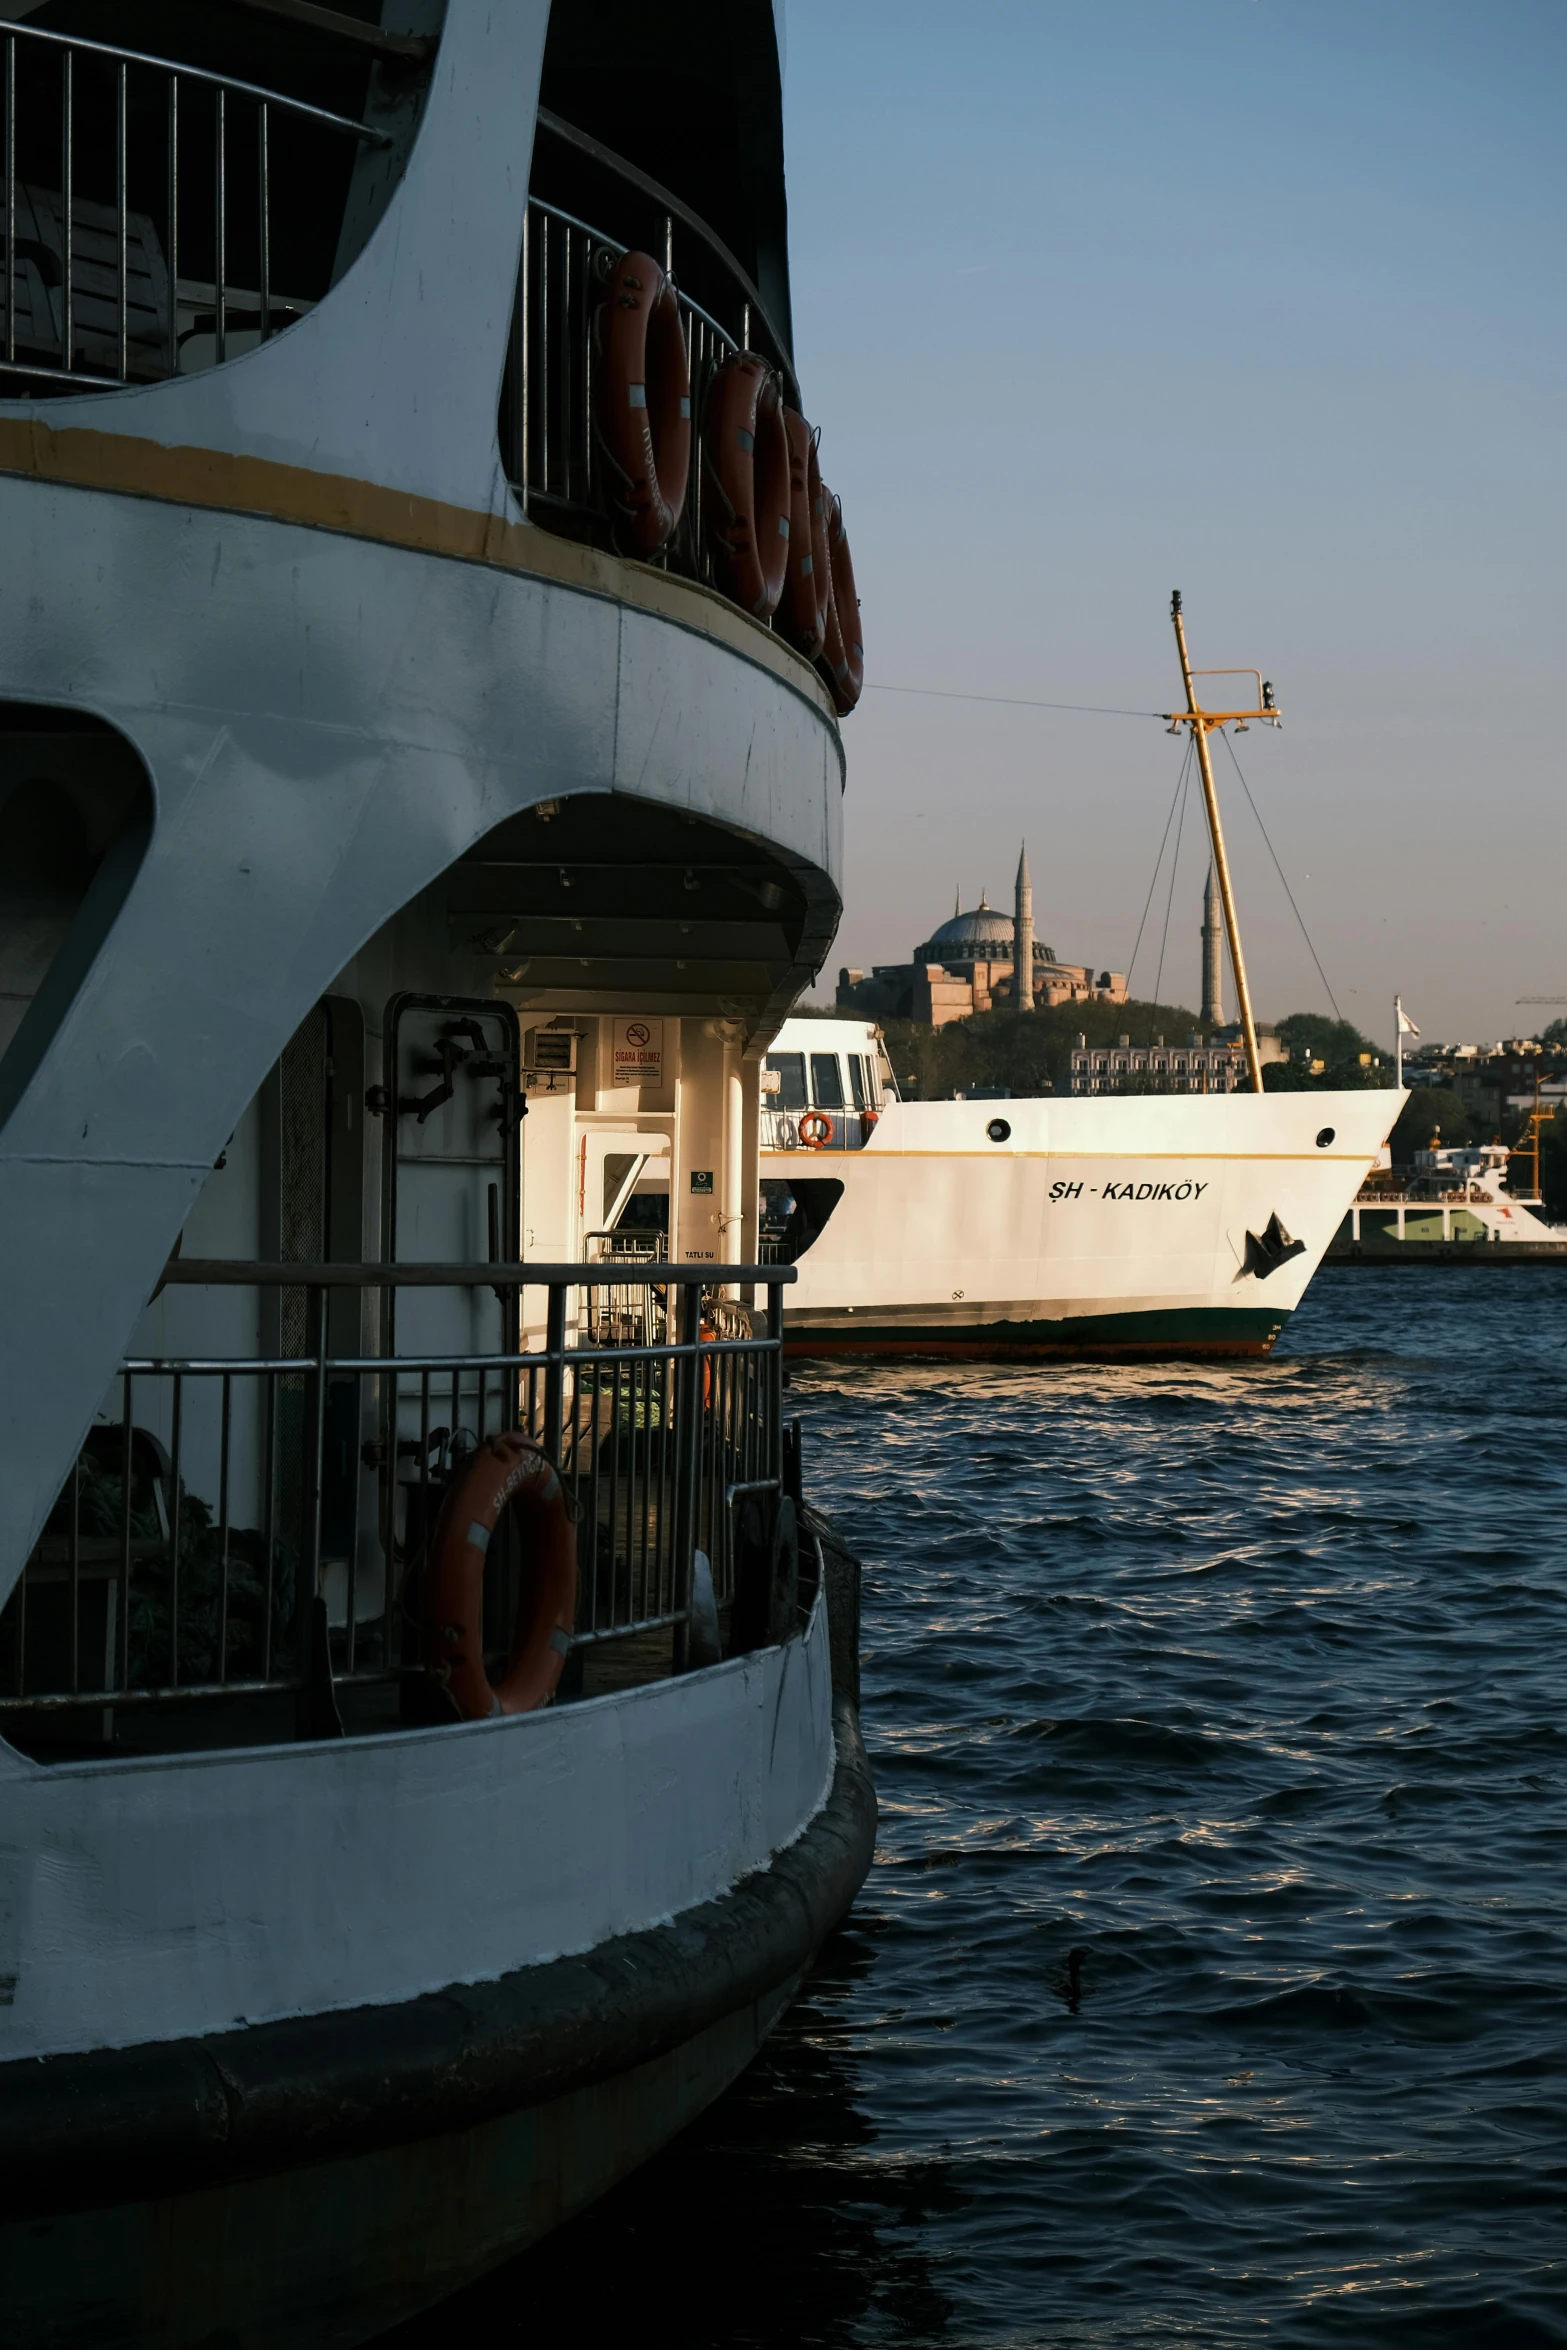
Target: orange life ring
<point x="745" y="452"/>
<point x="642" y="387"/>
<point x="508" y="1472"/>
<point x="821" y="1130"/>
<point x="803" y="612"/>
<point x="844" y="652"/>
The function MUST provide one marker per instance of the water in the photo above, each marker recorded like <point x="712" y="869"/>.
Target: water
<point x="1245" y="1684"/>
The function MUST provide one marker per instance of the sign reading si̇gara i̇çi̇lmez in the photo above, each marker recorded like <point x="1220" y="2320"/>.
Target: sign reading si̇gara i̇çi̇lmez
<point x="639" y="1052"/>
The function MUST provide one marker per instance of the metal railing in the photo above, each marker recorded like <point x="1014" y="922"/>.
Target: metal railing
<point x="120" y="170"/>
<point x="547" y="427"/>
<point x="848" y="1130"/>
<point x="229" y="1508"/>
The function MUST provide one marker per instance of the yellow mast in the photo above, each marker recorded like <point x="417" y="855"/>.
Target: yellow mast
<point x="1202" y="722"/>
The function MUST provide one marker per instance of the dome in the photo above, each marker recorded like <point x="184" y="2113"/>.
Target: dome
<point x="980" y="936"/>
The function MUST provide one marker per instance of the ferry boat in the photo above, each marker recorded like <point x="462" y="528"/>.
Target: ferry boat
<point x="1147" y="1224"/>
<point x="1455" y="1196"/>
<point x="429" y="1756"/>
<point x="1171" y="1222"/>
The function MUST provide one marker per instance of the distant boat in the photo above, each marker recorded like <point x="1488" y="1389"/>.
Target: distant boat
<point x="1455" y="1196"/>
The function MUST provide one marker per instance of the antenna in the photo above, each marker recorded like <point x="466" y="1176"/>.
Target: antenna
<point x="1202" y="723"/>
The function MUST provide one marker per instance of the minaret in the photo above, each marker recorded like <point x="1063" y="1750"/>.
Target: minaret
<point x="1212" y="956"/>
<point x="1023" y="938"/>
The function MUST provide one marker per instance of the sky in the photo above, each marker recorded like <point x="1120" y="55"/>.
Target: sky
<point x="1261" y="299"/>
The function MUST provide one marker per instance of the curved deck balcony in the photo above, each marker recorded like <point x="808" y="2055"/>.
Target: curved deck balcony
<point x="238" y="1553"/>
<point x="159" y="216"/>
<point x="547" y="432"/>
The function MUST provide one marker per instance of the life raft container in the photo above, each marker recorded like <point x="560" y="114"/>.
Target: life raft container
<point x="816" y="1130"/>
<point x="803" y="611"/>
<point x="508" y="1472"/>
<point x="642" y="401"/>
<point x="843" y="652"/>
<point x="746" y="457"/>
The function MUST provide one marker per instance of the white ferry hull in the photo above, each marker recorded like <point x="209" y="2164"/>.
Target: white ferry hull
<point x="380" y="2014"/>
<point x="1109" y="1227"/>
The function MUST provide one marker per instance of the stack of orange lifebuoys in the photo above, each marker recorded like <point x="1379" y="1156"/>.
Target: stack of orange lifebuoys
<point x="773" y="528"/>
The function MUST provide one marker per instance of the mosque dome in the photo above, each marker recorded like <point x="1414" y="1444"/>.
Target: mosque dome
<point x="982" y="935"/>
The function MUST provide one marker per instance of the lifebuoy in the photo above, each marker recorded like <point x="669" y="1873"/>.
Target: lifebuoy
<point x="745" y="452"/>
<point x="642" y="387"/>
<point x="816" y="1130"/>
<point x="508" y="1472"/>
<point x="808" y="586"/>
<point x="844" y="652"/>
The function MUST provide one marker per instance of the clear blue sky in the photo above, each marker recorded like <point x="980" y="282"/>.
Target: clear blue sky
<point x="1258" y="298"/>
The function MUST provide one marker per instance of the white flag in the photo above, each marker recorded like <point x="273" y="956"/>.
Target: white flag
<point x="1406" y="1026"/>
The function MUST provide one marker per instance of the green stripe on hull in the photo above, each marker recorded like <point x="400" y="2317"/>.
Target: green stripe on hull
<point x="1177" y="1331"/>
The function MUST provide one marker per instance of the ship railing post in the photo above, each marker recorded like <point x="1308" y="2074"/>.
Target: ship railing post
<point x="174" y="223"/>
<point x="67" y="223"/>
<point x="176" y="1480"/>
<point x="521" y="345"/>
<point x="220" y="223"/>
<point x="75" y="1542"/>
<point x="555" y="1376"/>
<point x="315" y="1449"/>
<point x="122" y="225"/>
<point x="775" y="1380"/>
<point x="225" y="1448"/>
<point x="688" y="1459"/>
<point x="10" y="197"/>
<point x="264" y="222"/>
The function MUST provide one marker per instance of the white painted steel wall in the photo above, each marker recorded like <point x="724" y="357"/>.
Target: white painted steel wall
<point x="935" y="1214"/>
<point x="395" y="377"/>
<point x="188" y="1894"/>
<point x="328" y="726"/>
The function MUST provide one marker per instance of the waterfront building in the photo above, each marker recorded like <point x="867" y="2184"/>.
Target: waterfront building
<point x="969" y="964"/>
<point x="1202" y="1064"/>
<point x="1491" y="1079"/>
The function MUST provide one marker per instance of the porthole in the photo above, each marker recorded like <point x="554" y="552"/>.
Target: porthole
<point x="1325" y="1137"/>
<point x="998" y="1130"/>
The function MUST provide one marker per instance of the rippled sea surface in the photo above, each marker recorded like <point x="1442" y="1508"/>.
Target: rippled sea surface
<point x="1210" y="1986"/>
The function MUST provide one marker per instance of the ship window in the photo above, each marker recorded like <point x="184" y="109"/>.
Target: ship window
<point x="858" y="1081"/>
<point x="827" y="1081"/>
<point x="789" y="1069"/>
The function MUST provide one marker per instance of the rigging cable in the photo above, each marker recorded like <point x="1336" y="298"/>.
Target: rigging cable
<point x="1279" y="870"/>
<point x="1170" y="900"/>
<point x="1180" y="784"/>
<point x="939" y="693"/>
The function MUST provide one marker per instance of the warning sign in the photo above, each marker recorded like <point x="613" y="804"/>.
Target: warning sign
<point x="639" y="1052"/>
